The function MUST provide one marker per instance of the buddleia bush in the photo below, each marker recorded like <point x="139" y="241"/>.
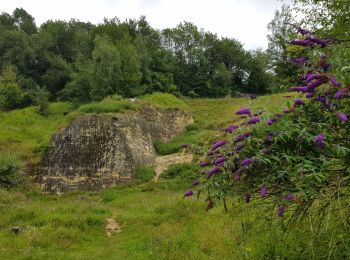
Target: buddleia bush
<point x="292" y="158"/>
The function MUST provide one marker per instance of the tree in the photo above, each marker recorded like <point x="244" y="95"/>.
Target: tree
<point x="280" y="32"/>
<point x="106" y="68"/>
<point x="24" y="21"/>
<point x="11" y="94"/>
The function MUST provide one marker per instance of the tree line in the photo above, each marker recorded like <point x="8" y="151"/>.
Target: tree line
<point x="81" y="62"/>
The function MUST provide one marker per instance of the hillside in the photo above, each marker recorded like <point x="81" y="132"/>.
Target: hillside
<point x="153" y="219"/>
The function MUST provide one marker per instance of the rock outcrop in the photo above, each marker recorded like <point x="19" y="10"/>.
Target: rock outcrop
<point x="97" y="151"/>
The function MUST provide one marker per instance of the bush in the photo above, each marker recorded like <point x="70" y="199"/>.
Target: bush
<point x="11" y="95"/>
<point x="145" y="173"/>
<point x="9" y="170"/>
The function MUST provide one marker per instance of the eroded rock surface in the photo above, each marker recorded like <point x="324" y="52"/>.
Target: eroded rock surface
<point x="99" y="151"/>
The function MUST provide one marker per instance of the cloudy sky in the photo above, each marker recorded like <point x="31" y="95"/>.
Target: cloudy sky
<point x="245" y="20"/>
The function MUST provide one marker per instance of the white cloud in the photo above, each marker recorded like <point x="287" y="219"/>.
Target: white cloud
<point x="245" y="20"/>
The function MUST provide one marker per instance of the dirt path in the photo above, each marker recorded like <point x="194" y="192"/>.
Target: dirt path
<point x="112" y="227"/>
<point x="163" y="162"/>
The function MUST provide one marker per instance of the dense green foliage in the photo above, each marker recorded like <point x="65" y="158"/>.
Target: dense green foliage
<point x="9" y="170"/>
<point x="82" y="62"/>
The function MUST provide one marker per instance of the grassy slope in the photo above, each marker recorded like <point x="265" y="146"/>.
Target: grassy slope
<point x="157" y="223"/>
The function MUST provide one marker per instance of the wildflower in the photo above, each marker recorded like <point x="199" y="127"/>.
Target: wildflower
<point x="247" y="197"/>
<point x="247" y="162"/>
<point x="268" y="139"/>
<point x="242" y="137"/>
<point x="289" y="197"/>
<point x="319" y="139"/>
<point x="231" y="128"/>
<point x="298" y="102"/>
<point x="321" y="99"/>
<point x="188" y="193"/>
<point x="195" y="183"/>
<point x="286" y="110"/>
<point x="220" y="160"/>
<point x="243" y="111"/>
<point x="300" y="61"/>
<point x="302" y="89"/>
<point x="341" y="93"/>
<point x="334" y="82"/>
<point x="215" y="170"/>
<point x="263" y="191"/>
<point x="324" y="56"/>
<point x="239" y="147"/>
<point x="253" y="121"/>
<point x="342" y="117"/>
<point x="237" y="177"/>
<point x="278" y="115"/>
<point x="203" y="164"/>
<point x="301" y="43"/>
<point x="310" y="95"/>
<point x="303" y="31"/>
<point x="281" y="209"/>
<point x="218" y="144"/>
<point x="269" y="121"/>
<point x="312" y="85"/>
<point x="312" y="77"/>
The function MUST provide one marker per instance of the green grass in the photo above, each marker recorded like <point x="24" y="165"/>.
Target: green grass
<point x="108" y="105"/>
<point x="164" y="100"/>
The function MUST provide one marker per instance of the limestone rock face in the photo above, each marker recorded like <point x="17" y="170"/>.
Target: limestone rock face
<point x="99" y="151"/>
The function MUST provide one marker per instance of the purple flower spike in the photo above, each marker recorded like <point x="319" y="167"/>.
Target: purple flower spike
<point x="203" y="164"/>
<point x="263" y="191"/>
<point x="220" y="161"/>
<point x="247" y="197"/>
<point x="289" y="197"/>
<point x="195" y="183"/>
<point x="269" y="121"/>
<point x="334" y="82"/>
<point x="247" y="162"/>
<point x="253" y="121"/>
<point x="188" y="194"/>
<point x="215" y="170"/>
<point x="281" y="209"/>
<point x="319" y="139"/>
<point x="298" y="102"/>
<point x="278" y="115"/>
<point x="243" y="111"/>
<point x="312" y="77"/>
<point x="321" y="99"/>
<point x="218" y="144"/>
<point x="241" y="137"/>
<point x="237" y="177"/>
<point x="303" y="31"/>
<point x="341" y="93"/>
<point x="231" y="128"/>
<point x="342" y="117"/>
<point x="312" y="85"/>
<point x="310" y="95"/>
<point x="324" y="56"/>
<point x="287" y="111"/>
<point x="302" y="89"/>
<point x="239" y="147"/>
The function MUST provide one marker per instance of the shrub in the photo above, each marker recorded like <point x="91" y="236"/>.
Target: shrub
<point x="9" y="170"/>
<point x="164" y="100"/>
<point x="11" y="95"/>
<point x="145" y="173"/>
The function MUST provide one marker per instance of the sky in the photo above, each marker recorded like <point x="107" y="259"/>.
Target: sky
<point x="244" y="20"/>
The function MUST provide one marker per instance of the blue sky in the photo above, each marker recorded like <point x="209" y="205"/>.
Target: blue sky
<point x="245" y="20"/>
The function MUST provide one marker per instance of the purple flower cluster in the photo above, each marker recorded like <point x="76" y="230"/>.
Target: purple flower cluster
<point x="319" y="139"/>
<point x="242" y="137"/>
<point x="231" y="128"/>
<point x="243" y="111"/>
<point x="218" y="144"/>
<point x="253" y="121"/>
